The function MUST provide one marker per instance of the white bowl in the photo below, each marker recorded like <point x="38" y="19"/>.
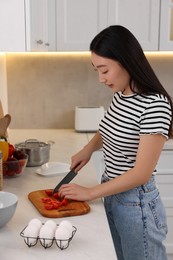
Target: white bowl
<point x="8" y="204"/>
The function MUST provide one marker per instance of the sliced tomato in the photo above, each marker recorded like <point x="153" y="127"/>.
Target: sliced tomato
<point x="49" y="192"/>
<point x="64" y="202"/>
<point x="48" y="206"/>
<point x="46" y="200"/>
<point x="56" y="205"/>
<point x="56" y="195"/>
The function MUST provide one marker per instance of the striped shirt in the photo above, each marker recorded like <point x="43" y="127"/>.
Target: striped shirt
<point x="128" y="117"/>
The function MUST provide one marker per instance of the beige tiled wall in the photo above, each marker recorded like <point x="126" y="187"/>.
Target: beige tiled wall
<point x="43" y="89"/>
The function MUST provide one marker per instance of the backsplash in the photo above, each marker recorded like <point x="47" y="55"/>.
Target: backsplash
<point x="43" y="89"/>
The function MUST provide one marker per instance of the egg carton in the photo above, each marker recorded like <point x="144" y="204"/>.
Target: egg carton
<point x="47" y="242"/>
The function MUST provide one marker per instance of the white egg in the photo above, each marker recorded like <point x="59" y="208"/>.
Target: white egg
<point x="46" y="236"/>
<point x="35" y="222"/>
<point x="67" y="224"/>
<point x="50" y="223"/>
<point x="31" y="235"/>
<point x="62" y="236"/>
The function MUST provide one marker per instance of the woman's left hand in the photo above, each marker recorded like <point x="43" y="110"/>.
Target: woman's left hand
<point x="75" y="192"/>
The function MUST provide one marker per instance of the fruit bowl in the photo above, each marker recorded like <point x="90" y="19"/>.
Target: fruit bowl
<point x="15" y="165"/>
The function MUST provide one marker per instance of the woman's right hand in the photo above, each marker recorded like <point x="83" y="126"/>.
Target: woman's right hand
<point x="83" y="156"/>
<point x="80" y="159"/>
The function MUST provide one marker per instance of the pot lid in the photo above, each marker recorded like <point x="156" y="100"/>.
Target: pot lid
<point x="32" y="143"/>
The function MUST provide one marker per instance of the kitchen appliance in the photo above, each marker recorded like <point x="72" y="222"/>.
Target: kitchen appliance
<point x="87" y="119"/>
<point x="73" y="208"/>
<point x="38" y="152"/>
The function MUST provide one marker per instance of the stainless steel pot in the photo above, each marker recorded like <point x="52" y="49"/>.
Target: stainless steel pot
<point x="38" y="152"/>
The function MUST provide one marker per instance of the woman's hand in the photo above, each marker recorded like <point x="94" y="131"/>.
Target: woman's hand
<point x="80" y="159"/>
<point x="83" y="156"/>
<point x="75" y="192"/>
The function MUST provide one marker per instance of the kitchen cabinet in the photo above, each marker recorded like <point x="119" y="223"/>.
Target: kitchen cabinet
<point x="27" y="25"/>
<point x="140" y="17"/>
<point x="12" y="25"/>
<point x="40" y="25"/>
<point x="78" y="21"/>
<point x="164" y="180"/>
<point x="165" y="184"/>
<point x="62" y="25"/>
<point x="166" y="25"/>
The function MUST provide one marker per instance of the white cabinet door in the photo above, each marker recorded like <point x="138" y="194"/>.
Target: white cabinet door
<point x="40" y="25"/>
<point x="12" y="25"/>
<point x="78" y="21"/>
<point x="140" y="17"/>
<point x="166" y="25"/>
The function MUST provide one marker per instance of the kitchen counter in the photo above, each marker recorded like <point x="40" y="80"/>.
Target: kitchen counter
<point x="92" y="239"/>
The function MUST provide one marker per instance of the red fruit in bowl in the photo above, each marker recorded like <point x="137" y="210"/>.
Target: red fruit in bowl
<point x="13" y="164"/>
<point x="18" y="154"/>
<point x="11" y="150"/>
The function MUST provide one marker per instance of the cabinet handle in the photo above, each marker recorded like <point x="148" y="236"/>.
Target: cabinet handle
<point x="39" y="42"/>
<point x="47" y="44"/>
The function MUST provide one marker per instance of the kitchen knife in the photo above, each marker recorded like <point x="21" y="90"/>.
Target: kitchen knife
<point x="65" y="180"/>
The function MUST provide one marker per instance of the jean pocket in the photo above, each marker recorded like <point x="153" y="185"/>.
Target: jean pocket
<point x="158" y="212"/>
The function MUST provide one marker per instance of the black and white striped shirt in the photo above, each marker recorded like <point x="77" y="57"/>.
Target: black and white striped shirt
<point x="128" y="117"/>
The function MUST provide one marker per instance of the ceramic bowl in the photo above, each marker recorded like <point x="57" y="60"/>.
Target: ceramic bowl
<point x="8" y="204"/>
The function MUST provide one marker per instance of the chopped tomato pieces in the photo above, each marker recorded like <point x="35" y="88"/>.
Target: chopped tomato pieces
<point x="53" y="201"/>
<point x="46" y="200"/>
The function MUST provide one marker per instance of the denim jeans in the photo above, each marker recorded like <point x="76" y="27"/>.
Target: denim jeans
<point x="137" y="222"/>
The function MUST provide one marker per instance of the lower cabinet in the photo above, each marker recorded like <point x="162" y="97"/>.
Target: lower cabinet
<point x="165" y="186"/>
<point x="164" y="180"/>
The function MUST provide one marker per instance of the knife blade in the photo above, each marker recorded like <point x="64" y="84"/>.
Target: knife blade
<point x="65" y="180"/>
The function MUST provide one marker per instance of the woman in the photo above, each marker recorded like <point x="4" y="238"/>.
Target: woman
<point x="132" y="135"/>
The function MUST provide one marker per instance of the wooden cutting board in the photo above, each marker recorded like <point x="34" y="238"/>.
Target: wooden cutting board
<point x="73" y="208"/>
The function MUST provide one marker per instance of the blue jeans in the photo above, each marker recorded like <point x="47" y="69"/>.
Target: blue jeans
<point x="137" y="222"/>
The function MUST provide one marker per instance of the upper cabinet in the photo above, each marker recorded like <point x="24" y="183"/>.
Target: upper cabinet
<point x="78" y="21"/>
<point x="70" y="25"/>
<point x="166" y="25"/>
<point x="140" y="17"/>
<point x="12" y="25"/>
<point x="27" y="25"/>
<point x="40" y="25"/>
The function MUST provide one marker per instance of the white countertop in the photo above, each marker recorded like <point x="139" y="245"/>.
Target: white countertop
<point x="92" y="239"/>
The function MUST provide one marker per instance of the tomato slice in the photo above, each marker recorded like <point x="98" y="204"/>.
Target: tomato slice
<point x="46" y="200"/>
<point x="56" y="205"/>
<point x="56" y="195"/>
<point x="64" y="202"/>
<point x="49" y="192"/>
<point x="48" y="206"/>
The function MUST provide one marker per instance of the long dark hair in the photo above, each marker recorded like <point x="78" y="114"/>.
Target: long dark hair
<point x="118" y="43"/>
